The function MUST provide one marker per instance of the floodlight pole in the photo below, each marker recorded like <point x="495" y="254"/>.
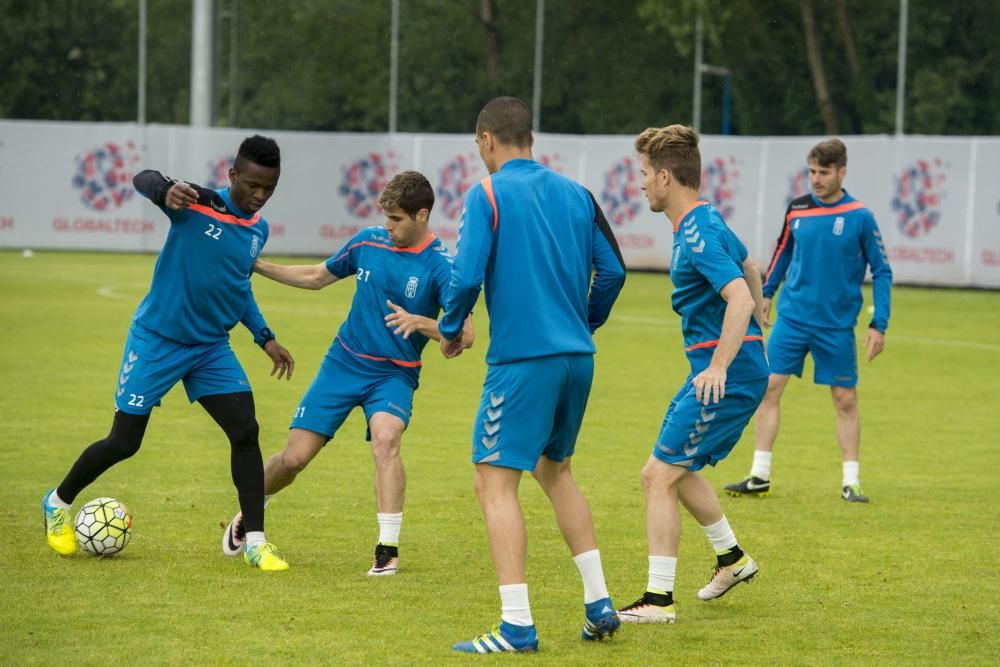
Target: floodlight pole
<point x="536" y="95"/>
<point x="700" y="68"/>
<point x="904" y="6"/>
<point x="201" y="63"/>
<point x="141" y="91"/>
<point x="394" y="67"/>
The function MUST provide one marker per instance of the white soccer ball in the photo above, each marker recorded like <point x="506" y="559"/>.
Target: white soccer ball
<point x="103" y="526"/>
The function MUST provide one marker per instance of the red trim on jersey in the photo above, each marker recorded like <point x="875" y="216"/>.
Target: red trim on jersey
<point x="825" y="210"/>
<point x="487" y="184"/>
<point x="777" y="253"/>
<point x="398" y="362"/>
<point x="713" y="343"/>
<point x="414" y="249"/>
<point x="224" y="217"/>
<point x="690" y="208"/>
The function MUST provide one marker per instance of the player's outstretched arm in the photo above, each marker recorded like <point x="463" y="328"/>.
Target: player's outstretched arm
<point x="306" y="276"/>
<point x="404" y="323"/>
<point x="164" y="192"/>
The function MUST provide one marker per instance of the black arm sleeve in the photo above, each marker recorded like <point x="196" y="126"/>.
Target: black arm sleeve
<point x="153" y="186"/>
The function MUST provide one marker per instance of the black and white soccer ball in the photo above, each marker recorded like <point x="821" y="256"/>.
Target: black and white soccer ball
<point x="103" y="526"/>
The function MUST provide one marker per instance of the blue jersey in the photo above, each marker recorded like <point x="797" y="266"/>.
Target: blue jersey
<point x="535" y="237"/>
<point x="826" y="249"/>
<point x="706" y="257"/>
<point x="201" y="283"/>
<point x="414" y="278"/>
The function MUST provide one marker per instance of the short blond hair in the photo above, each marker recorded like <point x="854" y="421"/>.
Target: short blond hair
<point x="674" y="148"/>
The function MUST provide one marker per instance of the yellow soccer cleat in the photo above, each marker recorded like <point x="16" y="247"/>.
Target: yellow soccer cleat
<point x="264" y="557"/>
<point x="58" y="528"/>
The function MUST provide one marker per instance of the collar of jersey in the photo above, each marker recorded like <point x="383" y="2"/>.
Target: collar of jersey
<point x="846" y="199"/>
<point x="518" y="162"/>
<point x="685" y="214"/>
<point x="224" y="193"/>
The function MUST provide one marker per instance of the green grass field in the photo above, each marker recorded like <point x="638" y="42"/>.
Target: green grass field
<point x="908" y="579"/>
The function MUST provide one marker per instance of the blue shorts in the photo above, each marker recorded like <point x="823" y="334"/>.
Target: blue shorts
<point x="152" y="364"/>
<point x="695" y="435"/>
<point x="530" y="408"/>
<point x="834" y="352"/>
<point x="344" y="383"/>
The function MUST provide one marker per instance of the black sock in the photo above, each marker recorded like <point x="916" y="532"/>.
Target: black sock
<point x="730" y="557"/>
<point x="122" y="442"/>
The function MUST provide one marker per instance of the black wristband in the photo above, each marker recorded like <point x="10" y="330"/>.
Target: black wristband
<point x="265" y="336"/>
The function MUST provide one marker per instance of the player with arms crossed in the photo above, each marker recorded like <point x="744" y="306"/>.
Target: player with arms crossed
<point x="827" y="242"/>
<point x="534" y="236"/>
<point x="400" y="264"/>
<point x="200" y="290"/>
<point x="716" y="293"/>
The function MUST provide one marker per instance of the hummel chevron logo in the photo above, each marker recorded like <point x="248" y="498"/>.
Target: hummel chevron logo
<point x="496" y="400"/>
<point x="494" y="414"/>
<point x="490" y="442"/>
<point x="695" y="439"/>
<point x="121" y="390"/>
<point x="701" y="428"/>
<point x="707" y="416"/>
<point x="690" y="451"/>
<point x="122" y="379"/>
<point x="127" y="368"/>
<point x="491" y="429"/>
<point x="699" y="247"/>
<point x="689" y="222"/>
<point x="694" y="237"/>
<point x="132" y="357"/>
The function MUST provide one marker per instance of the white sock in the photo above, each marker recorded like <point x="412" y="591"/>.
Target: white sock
<point x="589" y="565"/>
<point x="255" y="537"/>
<point x="662" y="572"/>
<point x="720" y="535"/>
<point x="514" y="604"/>
<point x="851" y="472"/>
<point x="761" y="468"/>
<point x="55" y="501"/>
<point x="388" y="529"/>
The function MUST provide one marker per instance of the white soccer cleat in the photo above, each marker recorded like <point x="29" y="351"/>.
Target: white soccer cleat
<point x="386" y="561"/>
<point x="650" y="608"/>
<point x="234" y="537"/>
<point x="727" y="576"/>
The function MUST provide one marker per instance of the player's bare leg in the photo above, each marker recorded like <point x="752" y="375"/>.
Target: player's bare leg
<point x="390" y="489"/>
<point x="767" y="422"/>
<point x="577" y="527"/>
<point x="280" y="470"/>
<point x="845" y="401"/>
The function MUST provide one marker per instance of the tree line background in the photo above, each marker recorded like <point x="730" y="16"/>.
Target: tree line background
<point x="798" y="66"/>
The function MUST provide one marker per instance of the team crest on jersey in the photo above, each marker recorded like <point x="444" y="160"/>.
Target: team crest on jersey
<point x="254" y="246"/>
<point x="411" y="287"/>
<point x="838" y="226"/>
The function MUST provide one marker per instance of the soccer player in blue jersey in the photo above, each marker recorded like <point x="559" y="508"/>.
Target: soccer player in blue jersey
<point x="374" y="361"/>
<point x="828" y="241"/>
<point x="180" y="332"/>
<point x="535" y="237"/>
<point x="715" y="283"/>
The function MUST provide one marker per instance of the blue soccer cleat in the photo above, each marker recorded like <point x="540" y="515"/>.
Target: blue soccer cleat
<point x="602" y="620"/>
<point x="504" y="638"/>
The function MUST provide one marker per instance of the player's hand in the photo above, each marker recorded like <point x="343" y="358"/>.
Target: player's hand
<point x="181" y="195"/>
<point x="875" y="342"/>
<point x="284" y="364"/>
<point x="710" y="385"/>
<point x="405" y="323"/>
<point x="452" y="348"/>
<point x="765" y="319"/>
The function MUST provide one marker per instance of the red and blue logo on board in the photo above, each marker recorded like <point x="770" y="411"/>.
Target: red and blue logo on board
<point x="454" y="180"/>
<point x="620" y="197"/>
<point x="363" y="180"/>
<point x="218" y="173"/>
<point x="104" y="175"/>
<point x="719" y="184"/>
<point x="917" y="201"/>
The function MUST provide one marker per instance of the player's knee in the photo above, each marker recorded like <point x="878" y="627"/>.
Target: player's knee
<point x="123" y="445"/>
<point x="385" y="444"/>
<point x="846" y="402"/>
<point x="294" y="461"/>
<point x="244" y="433"/>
